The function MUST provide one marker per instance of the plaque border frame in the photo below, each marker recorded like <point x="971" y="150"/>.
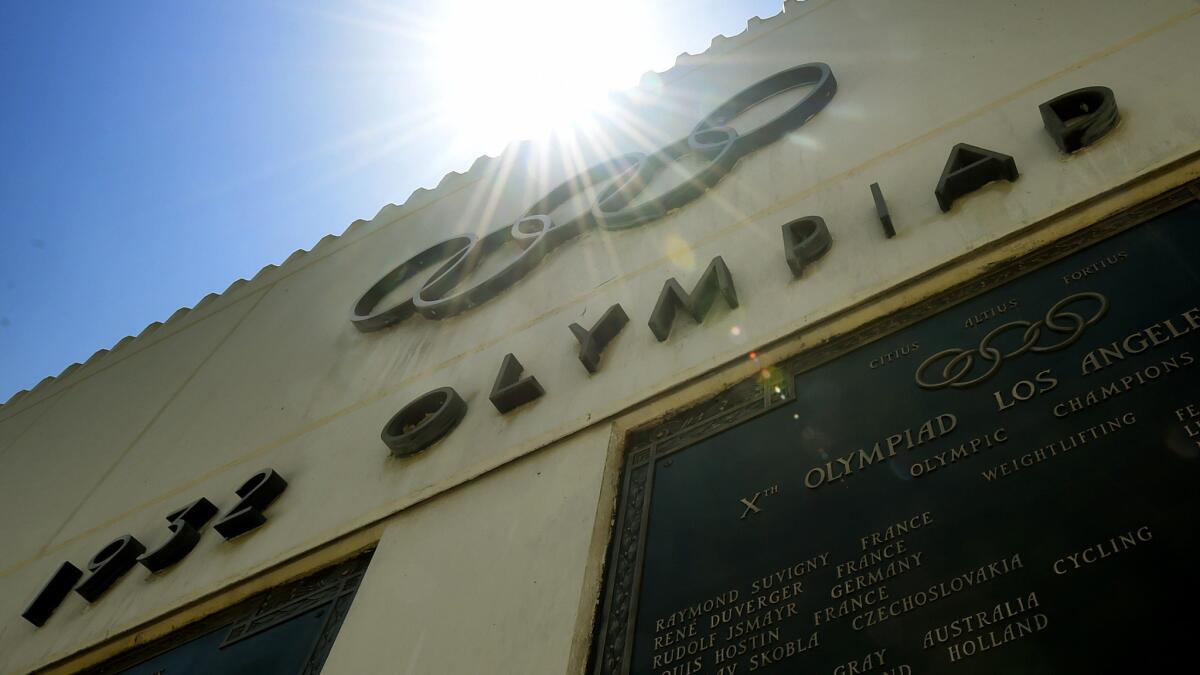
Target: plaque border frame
<point x="613" y="635"/>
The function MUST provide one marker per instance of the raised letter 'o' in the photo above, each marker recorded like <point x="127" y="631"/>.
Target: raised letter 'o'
<point x="424" y="422"/>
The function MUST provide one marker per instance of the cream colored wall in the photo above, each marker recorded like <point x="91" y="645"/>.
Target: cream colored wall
<point x="504" y="590"/>
<point x="272" y="373"/>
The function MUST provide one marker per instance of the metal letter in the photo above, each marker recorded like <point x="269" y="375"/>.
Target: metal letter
<point x="424" y="422"/>
<point x="256" y="494"/>
<point x="805" y="241"/>
<point x="593" y="342"/>
<point x="510" y="390"/>
<point x="1079" y="118"/>
<point x="109" y="565"/>
<point x="185" y="527"/>
<point x="715" y="280"/>
<point x="881" y="210"/>
<point x="969" y="168"/>
<point x="52" y="594"/>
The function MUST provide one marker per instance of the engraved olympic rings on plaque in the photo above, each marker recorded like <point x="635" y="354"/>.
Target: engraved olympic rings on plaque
<point x="448" y="290"/>
<point x="959" y="364"/>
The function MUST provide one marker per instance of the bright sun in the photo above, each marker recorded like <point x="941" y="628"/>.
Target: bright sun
<point x="528" y="68"/>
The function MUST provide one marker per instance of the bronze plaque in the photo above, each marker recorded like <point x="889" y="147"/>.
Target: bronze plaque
<point x="1006" y="486"/>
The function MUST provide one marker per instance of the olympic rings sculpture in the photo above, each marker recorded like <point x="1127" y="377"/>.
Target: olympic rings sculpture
<point x="961" y="361"/>
<point x="535" y="234"/>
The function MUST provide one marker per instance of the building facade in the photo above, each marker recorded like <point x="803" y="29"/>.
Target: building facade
<point x="860" y="342"/>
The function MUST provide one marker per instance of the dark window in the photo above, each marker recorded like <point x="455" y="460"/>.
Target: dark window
<point x="287" y="630"/>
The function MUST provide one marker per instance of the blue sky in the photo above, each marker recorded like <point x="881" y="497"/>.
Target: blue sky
<point x="156" y="151"/>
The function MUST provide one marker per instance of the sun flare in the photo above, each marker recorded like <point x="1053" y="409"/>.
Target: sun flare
<point x="531" y="68"/>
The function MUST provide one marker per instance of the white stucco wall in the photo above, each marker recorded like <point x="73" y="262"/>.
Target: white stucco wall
<point x="273" y="374"/>
<point x="525" y="528"/>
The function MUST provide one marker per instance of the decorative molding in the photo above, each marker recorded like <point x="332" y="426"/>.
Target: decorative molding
<point x="744" y="401"/>
<point x="741" y="402"/>
<point x="616" y="641"/>
<point x="284" y="603"/>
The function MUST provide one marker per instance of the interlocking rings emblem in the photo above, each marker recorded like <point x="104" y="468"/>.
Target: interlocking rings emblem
<point x="957" y="371"/>
<point x="616" y="190"/>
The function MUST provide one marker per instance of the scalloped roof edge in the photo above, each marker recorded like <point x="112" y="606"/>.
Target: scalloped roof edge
<point x="685" y="63"/>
